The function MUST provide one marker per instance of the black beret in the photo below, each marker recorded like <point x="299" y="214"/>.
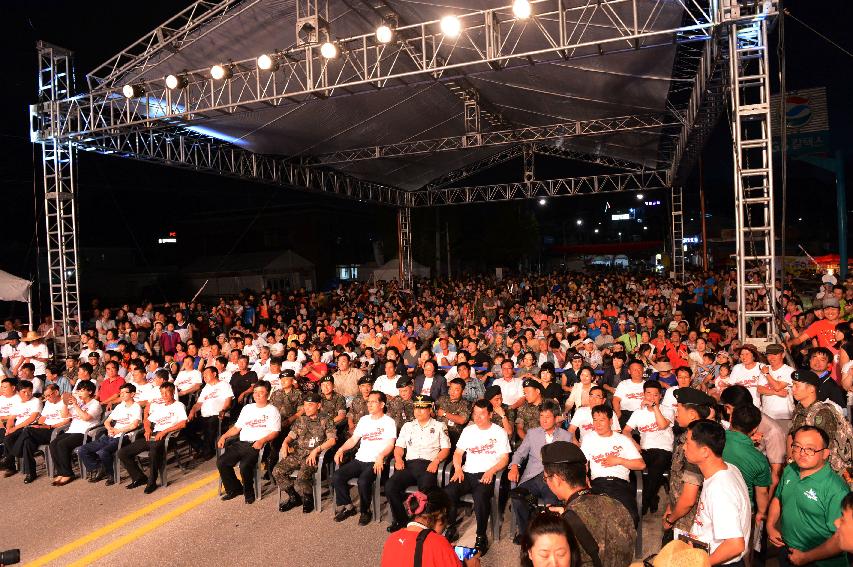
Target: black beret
<point x="312" y="397"/>
<point x="491" y="392"/>
<point x="694" y="397"/>
<point x="562" y="452"/>
<point x="404" y="381"/>
<point x="327" y="378"/>
<point x="364" y="380"/>
<point x="288" y="372"/>
<point x="806" y="376"/>
<point x="533" y="384"/>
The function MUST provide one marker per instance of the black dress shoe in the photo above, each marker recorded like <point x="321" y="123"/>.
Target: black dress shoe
<point x="365" y="518"/>
<point x="229" y="496"/>
<point x="250" y="499"/>
<point x="394" y="527"/>
<point x="307" y="504"/>
<point x="111" y="480"/>
<point x="29" y="478"/>
<point x="482" y="544"/>
<point x="150" y="488"/>
<point x="10" y="472"/>
<point x="345" y="513"/>
<point x="137" y="483"/>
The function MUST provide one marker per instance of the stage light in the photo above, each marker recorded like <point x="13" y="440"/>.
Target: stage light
<point x="451" y="26"/>
<point x="645" y="228"/>
<point x="176" y="81"/>
<point x="329" y="50"/>
<point x="268" y="62"/>
<point x="579" y="222"/>
<point x="220" y="72"/>
<point x="639" y="196"/>
<point x="384" y="33"/>
<point x="543" y="201"/>
<point x="595" y="231"/>
<point x="521" y="9"/>
<point x="132" y="91"/>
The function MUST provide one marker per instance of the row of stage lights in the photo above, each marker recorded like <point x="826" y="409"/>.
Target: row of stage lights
<point x="451" y="27"/>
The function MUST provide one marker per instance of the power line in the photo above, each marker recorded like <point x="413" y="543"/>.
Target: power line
<point x="808" y="27"/>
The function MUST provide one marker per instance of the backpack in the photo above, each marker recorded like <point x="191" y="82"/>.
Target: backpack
<point x="841" y="445"/>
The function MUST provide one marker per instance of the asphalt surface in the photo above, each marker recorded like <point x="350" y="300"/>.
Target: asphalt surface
<point x="186" y="524"/>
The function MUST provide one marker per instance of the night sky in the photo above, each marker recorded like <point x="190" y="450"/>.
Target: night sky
<point x="128" y="204"/>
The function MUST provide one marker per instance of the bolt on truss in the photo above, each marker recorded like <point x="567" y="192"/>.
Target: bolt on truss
<point x="749" y="68"/>
<point x="404" y="234"/>
<point x="535" y="189"/>
<point x="490" y="39"/>
<point x="677" y="206"/>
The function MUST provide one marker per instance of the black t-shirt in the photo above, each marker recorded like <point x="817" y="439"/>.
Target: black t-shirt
<point x="241" y="382"/>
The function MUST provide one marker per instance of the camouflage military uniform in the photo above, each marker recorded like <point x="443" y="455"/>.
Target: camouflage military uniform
<point x="498" y="420"/>
<point x="357" y="409"/>
<point x="287" y="402"/>
<point x="682" y="472"/>
<point x="331" y="406"/>
<point x="824" y="419"/>
<point x="462" y="407"/>
<point x="610" y="525"/>
<point x="99" y="372"/>
<point x="306" y="434"/>
<point x="528" y="416"/>
<point x="401" y="410"/>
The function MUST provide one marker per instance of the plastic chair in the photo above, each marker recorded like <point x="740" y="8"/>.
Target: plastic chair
<point x="376" y="500"/>
<point x="495" y="515"/>
<point x="318" y="480"/>
<point x="259" y="493"/>
<point x="131" y="437"/>
<point x="170" y="438"/>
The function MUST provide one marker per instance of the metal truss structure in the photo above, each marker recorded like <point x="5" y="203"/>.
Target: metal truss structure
<point x="404" y="232"/>
<point x="156" y="123"/>
<point x="676" y="205"/>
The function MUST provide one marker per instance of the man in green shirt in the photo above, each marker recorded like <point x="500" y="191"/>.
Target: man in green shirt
<point x="806" y="504"/>
<point x="751" y="462"/>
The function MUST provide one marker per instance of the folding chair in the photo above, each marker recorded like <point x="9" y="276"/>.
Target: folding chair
<point x="376" y="499"/>
<point x="495" y="514"/>
<point x="259" y="494"/>
<point x="322" y="466"/>
<point x="172" y="438"/>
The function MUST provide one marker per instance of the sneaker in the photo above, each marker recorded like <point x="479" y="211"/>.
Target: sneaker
<point x="365" y="518"/>
<point x="345" y="513"/>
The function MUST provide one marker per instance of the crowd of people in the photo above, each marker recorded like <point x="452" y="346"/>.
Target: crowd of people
<point x="563" y="389"/>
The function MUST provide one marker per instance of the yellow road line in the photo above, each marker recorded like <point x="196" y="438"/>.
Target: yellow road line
<point x="142" y="530"/>
<point x="121" y="522"/>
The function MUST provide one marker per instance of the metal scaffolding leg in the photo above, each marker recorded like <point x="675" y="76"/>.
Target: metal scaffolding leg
<point x="749" y="75"/>
<point x="59" y="160"/>
<point x="677" y="205"/>
<point x="404" y="235"/>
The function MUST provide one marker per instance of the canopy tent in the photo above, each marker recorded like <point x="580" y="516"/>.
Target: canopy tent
<point x="13" y="288"/>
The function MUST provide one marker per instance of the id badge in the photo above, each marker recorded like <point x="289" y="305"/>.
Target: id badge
<point x="312" y="443"/>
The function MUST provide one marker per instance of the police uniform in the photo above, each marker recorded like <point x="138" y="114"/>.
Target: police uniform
<point x="460" y="407"/>
<point x="422" y="444"/>
<point x="306" y="434"/>
<point x="399" y="409"/>
<point x="601" y="524"/>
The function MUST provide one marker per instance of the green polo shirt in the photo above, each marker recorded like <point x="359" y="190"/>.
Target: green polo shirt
<point x="810" y="507"/>
<point x="751" y="462"/>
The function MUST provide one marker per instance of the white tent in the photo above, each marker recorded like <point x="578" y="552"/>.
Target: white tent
<point x="13" y="288"/>
<point x="391" y="271"/>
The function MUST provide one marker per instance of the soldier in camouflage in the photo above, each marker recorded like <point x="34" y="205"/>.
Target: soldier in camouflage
<point x="401" y="407"/>
<point x="502" y="415"/>
<point x="824" y="415"/>
<point x="454" y="410"/>
<point x="602" y="526"/>
<point x="332" y="403"/>
<point x="312" y="434"/>
<point x="288" y="400"/>
<point x="358" y="407"/>
<point x="527" y="416"/>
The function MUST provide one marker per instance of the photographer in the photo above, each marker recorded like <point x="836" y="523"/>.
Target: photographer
<point x="420" y="544"/>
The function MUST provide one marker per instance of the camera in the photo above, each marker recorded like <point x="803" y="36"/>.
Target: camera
<point x="10" y="557"/>
<point x="524" y="498"/>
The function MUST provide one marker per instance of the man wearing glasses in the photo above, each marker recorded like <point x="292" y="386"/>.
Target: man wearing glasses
<point x="807" y="503"/>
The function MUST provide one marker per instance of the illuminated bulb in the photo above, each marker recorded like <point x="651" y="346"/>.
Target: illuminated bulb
<point x="451" y="26"/>
<point x="542" y="201"/>
<point x="132" y="91"/>
<point x="265" y="62"/>
<point x="176" y="82"/>
<point x="521" y="9"/>
<point x="384" y="34"/>
<point x="329" y="50"/>
<point x="219" y="72"/>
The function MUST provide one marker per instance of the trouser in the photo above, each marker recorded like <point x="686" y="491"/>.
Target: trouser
<point x="3" y="447"/>
<point x="366" y="477"/>
<point x="537" y="487"/>
<point x="304" y="475"/>
<point x="99" y="453"/>
<point x="201" y="434"/>
<point x="9" y="442"/>
<point x="61" y="450"/>
<point x="620" y="490"/>
<point x="415" y="472"/>
<point x="623" y="419"/>
<point x="482" y="494"/>
<point x="156" y="458"/>
<point x="244" y="454"/>
<point x="658" y="461"/>
<point x="27" y="444"/>
<point x="275" y="449"/>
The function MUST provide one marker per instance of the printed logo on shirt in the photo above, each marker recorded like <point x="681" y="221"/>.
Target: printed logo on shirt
<point x="600" y="458"/>
<point x="635" y="396"/>
<point x="650" y="428"/>
<point x="374" y="435"/>
<point x="810" y="494"/>
<point x="487" y="448"/>
<point x="587" y="427"/>
<point x="260" y="421"/>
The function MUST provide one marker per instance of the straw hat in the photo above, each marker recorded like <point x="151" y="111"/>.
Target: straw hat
<point x="679" y="554"/>
<point x="31" y="336"/>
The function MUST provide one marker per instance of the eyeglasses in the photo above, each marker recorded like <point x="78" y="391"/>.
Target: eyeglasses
<point x="807" y="451"/>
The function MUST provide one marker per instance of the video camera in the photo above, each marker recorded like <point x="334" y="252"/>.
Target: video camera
<point x="523" y="497"/>
<point x="10" y="557"/>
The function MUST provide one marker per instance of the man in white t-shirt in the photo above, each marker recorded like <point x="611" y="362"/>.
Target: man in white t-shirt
<point x="261" y="367"/>
<point x="188" y="381"/>
<point x="747" y="373"/>
<point x="512" y="388"/>
<point x="161" y="419"/>
<point x="612" y="457"/>
<point x="377" y="433"/>
<point x="629" y="393"/>
<point x="33" y="350"/>
<point x="208" y="412"/>
<point x="98" y="455"/>
<point x="9" y="400"/>
<point x="54" y="414"/>
<point x="486" y="449"/>
<point x="24" y="413"/>
<point x="582" y="418"/>
<point x="774" y="386"/>
<point x="258" y="424"/>
<point x="656" y="441"/>
<point x="724" y="513"/>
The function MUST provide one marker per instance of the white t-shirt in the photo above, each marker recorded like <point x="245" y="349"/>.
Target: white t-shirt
<point x="165" y="416"/>
<point x="256" y="423"/>
<point x="123" y="415"/>
<point x="93" y="408"/>
<point x="23" y="410"/>
<point x="582" y="419"/>
<point x="778" y="407"/>
<point x="386" y="385"/>
<point x="294" y="365"/>
<point x="52" y="412"/>
<point x="630" y="394"/>
<point x="724" y="510"/>
<point x="31" y="351"/>
<point x="151" y="395"/>
<point x="274" y="379"/>
<point x="749" y="379"/>
<point x="186" y="379"/>
<point x="213" y="398"/>
<point x="511" y="390"/>
<point x="261" y="368"/>
<point x="483" y="447"/>
<point x="668" y="403"/>
<point x="145" y="392"/>
<point x="651" y="436"/>
<point x="425" y="389"/>
<point x="375" y="435"/>
<point x="8" y="405"/>
<point x="597" y="448"/>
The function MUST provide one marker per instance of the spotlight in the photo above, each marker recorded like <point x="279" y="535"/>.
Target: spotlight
<point x="639" y="196"/>
<point x="220" y="72"/>
<point x="543" y="201"/>
<point x="645" y="228"/>
<point x="579" y="222"/>
<point x="384" y="33"/>
<point x="595" y="231"/>
<point x="329" y="50"/>
<point x="176" y="81"/>
<point x="451" y="26"/>
<point x="268" y="62"/>
<point x="132" y="91"/>
<point x="521" y="9"/>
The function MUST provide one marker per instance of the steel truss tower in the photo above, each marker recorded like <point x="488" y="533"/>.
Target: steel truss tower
<point x="677" y="206"/>
<point x="404" y="232"/>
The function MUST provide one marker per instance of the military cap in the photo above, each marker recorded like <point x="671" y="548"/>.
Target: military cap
<point x="312" y="397"/>
<point x="289" y="372"/>
<point x="404" y="381"/>
<point x="694" y="397"/>
<point x="423" y="401"/>
<point x="562" y="452"/>
<point x="529" y="383"/>
<point x="327" y="378"/>
<point x="577" y="356"/>
<point x="830" y="301"/>
<point x="364" y="380"/>
<point x="806" y="376"/>
<point x="491" y="392"/>
<point x="774" y="348"/>
<point x="458" y="381"/>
